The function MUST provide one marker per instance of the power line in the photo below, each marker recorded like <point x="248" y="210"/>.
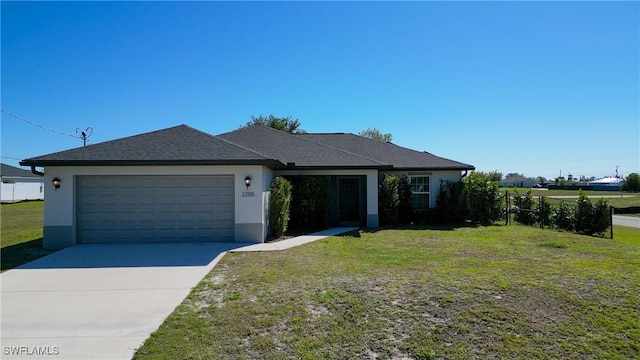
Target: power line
<point x="9" y="157"/>
<point x="38" y="125"/>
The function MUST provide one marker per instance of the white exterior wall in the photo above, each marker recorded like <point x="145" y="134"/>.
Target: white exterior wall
<point x="22" y="189"/>
<point x="251" y="204"/>
<point x="435" y="179"/>
<point x="267" y="178"/>
<point x="372" y="186"/>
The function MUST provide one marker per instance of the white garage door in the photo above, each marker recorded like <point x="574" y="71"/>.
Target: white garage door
<point x="144" y="209"/>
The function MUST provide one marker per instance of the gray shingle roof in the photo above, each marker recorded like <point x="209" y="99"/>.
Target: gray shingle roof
<point x="177" y="145"/>
<point x="250" y="145"/>
<point x="296" y="149"/>
<point x="387" y="153"/>
<point x="8" y="171"/>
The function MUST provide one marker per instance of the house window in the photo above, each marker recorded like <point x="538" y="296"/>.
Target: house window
<point x="419" y="192"/>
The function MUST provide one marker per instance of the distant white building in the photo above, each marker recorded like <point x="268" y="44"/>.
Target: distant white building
<point x="607" y="183"/>
<point x="518" y="182"/>
<point x="20" y="185"/>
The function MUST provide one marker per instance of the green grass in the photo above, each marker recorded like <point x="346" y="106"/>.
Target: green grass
<point x="510" y="292"/>
<point x="628" y="199"/>
<point x="21" y="233"/>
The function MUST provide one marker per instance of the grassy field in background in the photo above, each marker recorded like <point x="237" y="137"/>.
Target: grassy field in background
<point x="613" y="197"/>
<point x="510" y="292"/>
<point x="21" y="233"/>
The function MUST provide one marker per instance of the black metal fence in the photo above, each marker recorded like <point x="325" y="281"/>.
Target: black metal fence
<point x="511" y="209"/>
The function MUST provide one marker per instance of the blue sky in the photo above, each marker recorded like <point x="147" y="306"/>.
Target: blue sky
<point x="528" y="87"/>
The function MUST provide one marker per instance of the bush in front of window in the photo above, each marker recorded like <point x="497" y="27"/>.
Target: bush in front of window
<point x="405" y="207"/>
<point x="450" y="203"/>
<point x="395" y="201"/>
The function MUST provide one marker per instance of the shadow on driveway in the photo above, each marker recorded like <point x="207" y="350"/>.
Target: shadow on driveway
<point x="15" y="255"/>
<point x="131" y="255"/>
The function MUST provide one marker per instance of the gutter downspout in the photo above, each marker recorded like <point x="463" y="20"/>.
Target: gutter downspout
<point x="465" y="174"/>
<point x="36" y="172"/>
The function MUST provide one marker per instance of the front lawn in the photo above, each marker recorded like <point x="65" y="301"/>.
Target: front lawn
<point x="509" y="292"/>
<point x="21" y="233"/>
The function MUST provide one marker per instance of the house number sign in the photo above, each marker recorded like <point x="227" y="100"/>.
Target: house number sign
<point x="248" y="194"/>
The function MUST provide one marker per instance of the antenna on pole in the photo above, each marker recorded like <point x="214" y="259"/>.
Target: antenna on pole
<point x="616" y="171"/>
<point x="84" y="135"/>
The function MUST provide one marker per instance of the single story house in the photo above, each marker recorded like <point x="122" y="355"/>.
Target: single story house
<point x="20" y="185"/>
<point x="518" y="182"/>
<point x="181" y="184"/>
<point x="607" y="184"/>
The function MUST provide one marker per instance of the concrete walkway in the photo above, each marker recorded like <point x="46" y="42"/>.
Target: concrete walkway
<point x="296" y="241"/>
<point x="103" y="301"/>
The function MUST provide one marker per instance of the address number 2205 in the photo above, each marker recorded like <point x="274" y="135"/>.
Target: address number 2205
<point x="248" y="194"/>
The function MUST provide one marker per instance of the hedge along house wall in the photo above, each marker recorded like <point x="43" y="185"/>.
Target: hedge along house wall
<point x="437" y="179"/>
<point x="310" y="203"/>
<point x="279" y="208"/>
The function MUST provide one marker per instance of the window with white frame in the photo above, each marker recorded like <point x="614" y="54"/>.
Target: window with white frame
<point x="419" y="191"/>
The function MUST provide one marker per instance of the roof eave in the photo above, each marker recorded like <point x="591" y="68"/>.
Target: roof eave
<point x="435" y="168"/>
<point x="341" y="167"/>
<point x="45" y="163"/>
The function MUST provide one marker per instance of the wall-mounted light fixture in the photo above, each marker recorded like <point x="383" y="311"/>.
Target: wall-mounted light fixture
<point x="247" y="181"/>
<point x="56" y="183"/>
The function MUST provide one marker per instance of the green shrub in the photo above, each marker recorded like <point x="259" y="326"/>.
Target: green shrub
<point x="280" y="201"/>
<point x="524" y="213"/>
<point x="543" y="213"/>
<point x="601" y="220"/>
<point x="406" y="213"/>
<point x="591" y="218"/>
<point x="563" y="217"/>
<point x="389" y="200"/>
<point x="450" y="203"/>
<point x="584" y="214"/>
<point x="483" y="201"/>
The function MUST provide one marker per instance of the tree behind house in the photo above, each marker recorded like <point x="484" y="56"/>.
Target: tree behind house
<point x="286" y="124"/>
<point x="375" y="134"/>
<point x="632" y="182"/>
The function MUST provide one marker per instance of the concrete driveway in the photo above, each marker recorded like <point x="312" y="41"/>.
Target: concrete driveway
<point x="97" y="301"/>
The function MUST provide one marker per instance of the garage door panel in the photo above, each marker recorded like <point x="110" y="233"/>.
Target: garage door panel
<point x="224" y="216"/>
<point x="224" y="181"/>
<point x="116" y="209"/>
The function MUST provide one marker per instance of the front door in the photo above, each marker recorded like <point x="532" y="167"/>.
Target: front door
<point x="349" y="201"/>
